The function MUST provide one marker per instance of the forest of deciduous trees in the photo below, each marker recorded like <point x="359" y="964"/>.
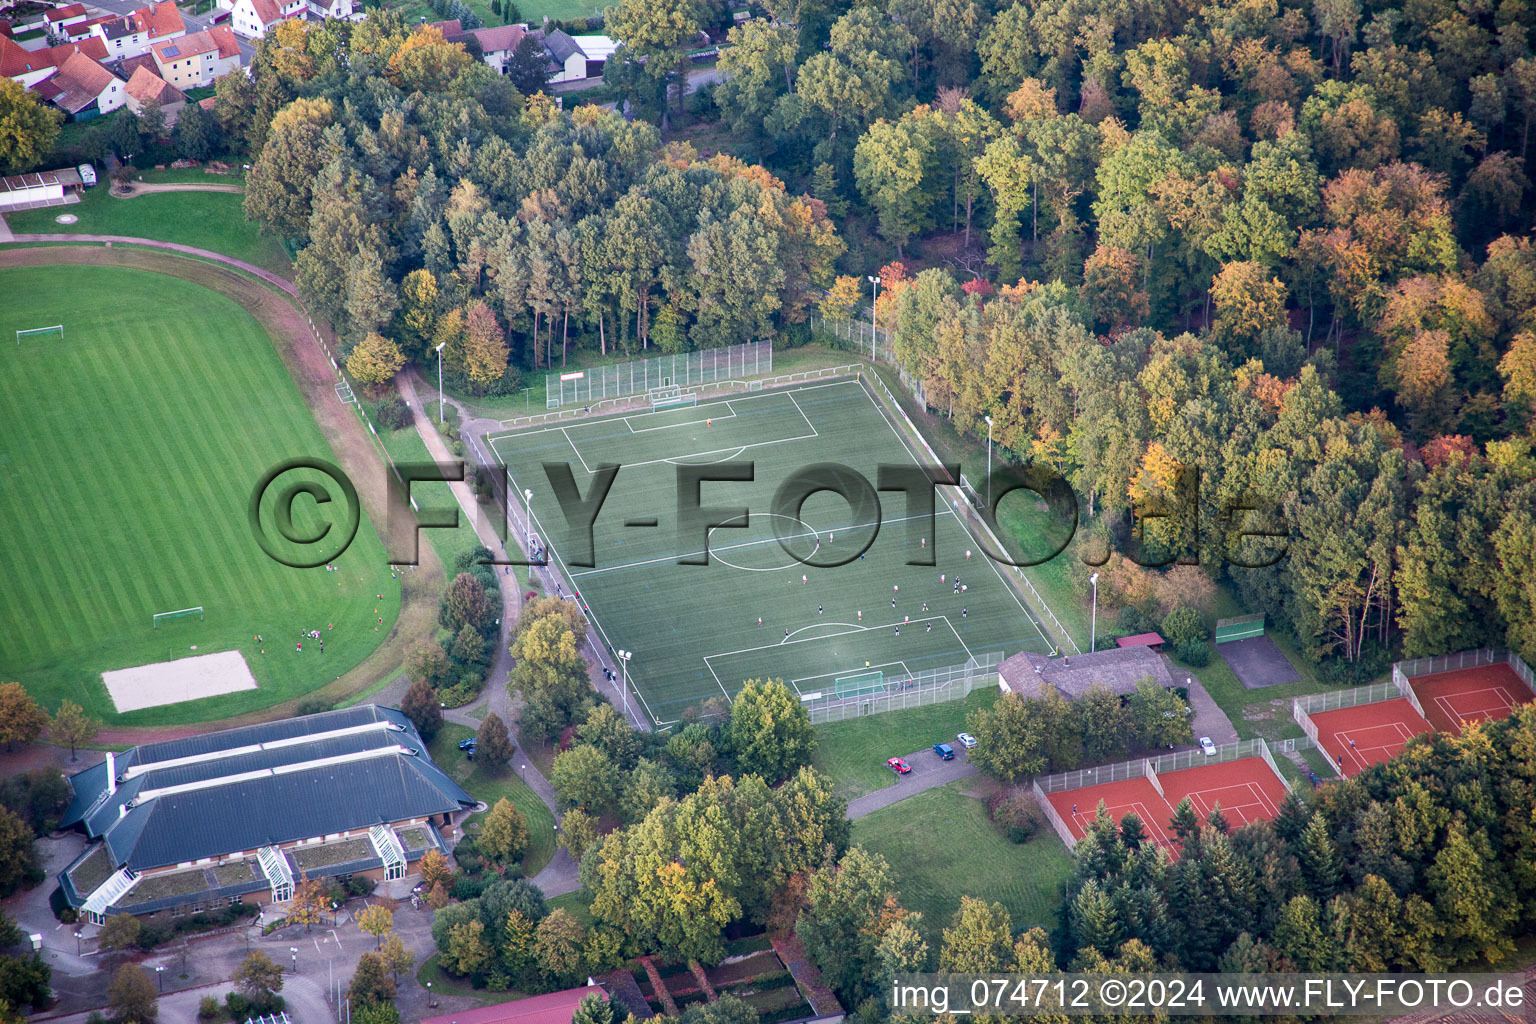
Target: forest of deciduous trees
<point x="1283" y="243"/>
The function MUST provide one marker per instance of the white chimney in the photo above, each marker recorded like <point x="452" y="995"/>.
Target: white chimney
<point x="111" y="772"/>
<point x="122" y="810"/>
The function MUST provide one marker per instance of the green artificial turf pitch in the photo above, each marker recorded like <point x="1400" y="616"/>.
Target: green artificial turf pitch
<point x="128" y="454"/>
<point x="694" y="629"/>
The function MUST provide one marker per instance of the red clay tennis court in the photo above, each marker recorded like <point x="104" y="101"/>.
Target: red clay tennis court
<point x="1246" y="789"/>
<point x="1078" y="807"/>
<point x="1368" y="734"/>
<point x="1487" y="692"/>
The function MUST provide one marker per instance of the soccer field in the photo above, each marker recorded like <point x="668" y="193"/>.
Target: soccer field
<point x="694" y="629"/>
<point x="128" y="453"/>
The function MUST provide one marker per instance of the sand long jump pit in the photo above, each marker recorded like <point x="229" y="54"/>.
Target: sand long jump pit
<point x="171" y="682"/>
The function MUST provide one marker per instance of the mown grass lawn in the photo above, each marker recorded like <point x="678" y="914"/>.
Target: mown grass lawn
<point x="483" y="784"/>
<point x="208" y="220"/>
<point x="129" y="449"/>
<point x="941" y="846"/>
<point x="853" y="753"/>
<point x="578" y="904"/>
<point x="453" y="986"/>
<point x="406" y="445"/>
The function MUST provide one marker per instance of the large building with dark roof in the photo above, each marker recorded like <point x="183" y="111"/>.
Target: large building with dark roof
<point x="238" y="816"/>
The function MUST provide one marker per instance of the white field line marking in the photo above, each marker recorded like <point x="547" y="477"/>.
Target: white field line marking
<point x="1006" y="585"/>
<point x="737" y="547"/>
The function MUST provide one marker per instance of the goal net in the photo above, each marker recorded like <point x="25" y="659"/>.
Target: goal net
<point x="859" y="684"/>
<point x="672" y="394"/>
<point x="34" y="332"/>
<point x="180" y="613"/>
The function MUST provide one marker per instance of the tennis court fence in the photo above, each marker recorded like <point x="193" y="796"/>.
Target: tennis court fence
<point x="1303" y="708"/>
<point x="1158" y="764"/>
<point x="930" y="686"/>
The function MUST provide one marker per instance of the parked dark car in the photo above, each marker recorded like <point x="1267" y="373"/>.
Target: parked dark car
<point x="945" y="751"/>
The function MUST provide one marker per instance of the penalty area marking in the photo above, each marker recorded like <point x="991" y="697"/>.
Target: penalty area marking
<point x="171" y="682"/>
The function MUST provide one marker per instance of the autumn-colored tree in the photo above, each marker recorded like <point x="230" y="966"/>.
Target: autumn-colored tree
<point x="73" y="726"/>
<point x="1248" y="299"/>
<point x="418" y="312"/>
<point x="375" y="360"/>
<point x="131" y="996"/>
<point x="493" y="744"/>
<point x="1111" y="287"/>
<point x="842" y="300"/>
<point x="376" y="919"/>
<point x="1518" y="368"/>
<point x="258" y="978"/>
<point x="503" y="835"/>
<point x="421" y="706"/>
<point x="485" y="346"/>
<point x="21" y="720"/>
<point x="434" y="868"/>
<point x="121" y="931"/>
<point x="309" y="902"/>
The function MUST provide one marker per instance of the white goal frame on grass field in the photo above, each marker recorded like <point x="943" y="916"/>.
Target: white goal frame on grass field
<point x="41" y="330"/>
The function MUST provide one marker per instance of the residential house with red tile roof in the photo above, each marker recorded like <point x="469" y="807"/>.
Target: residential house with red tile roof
<point x="61" y="18"/>
<point x="28" y="67"/>
<point x="147" y="87"/>
<point x="497" y="44"/>
<point x="198" y="58"/>
<point x="82" y="88"/>
<point x="255" y="18"/>
<point x="133" y="34"/>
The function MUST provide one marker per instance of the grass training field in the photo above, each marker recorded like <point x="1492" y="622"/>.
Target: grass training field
<point x="818" y="622"/>
<point x="208" y="220"/>
<point x="941" y="846"/>
<point x="128" y="455"/>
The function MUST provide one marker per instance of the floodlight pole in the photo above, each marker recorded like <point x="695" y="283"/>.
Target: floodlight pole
<point x="439" y="351"/>
<point x="160" y="977"/>
<point x="874" y="325"/>
<point x="528" y="523"/>
<point x="1093" y="629"/>
<point x="989" y="460"/>
<point x="624" y="657"/>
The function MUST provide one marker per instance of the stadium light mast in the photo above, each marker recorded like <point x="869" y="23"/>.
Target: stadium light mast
<point x="989" y="460"/>
<point x="439" y="351"/>
<point x="1093" y="629"/>
<point x="874" y="327"/>
<point x="528" y="522"/>
<point x="624" y="657"/>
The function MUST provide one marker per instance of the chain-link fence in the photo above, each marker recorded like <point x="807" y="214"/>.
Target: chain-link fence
<point x="874" y="342"/>
<point x="1415" y="667"/>
<point x="932" y="686"/>
<point x="583" y="387"/>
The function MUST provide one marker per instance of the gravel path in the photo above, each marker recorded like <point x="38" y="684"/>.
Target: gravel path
<point x="141" y="188"/>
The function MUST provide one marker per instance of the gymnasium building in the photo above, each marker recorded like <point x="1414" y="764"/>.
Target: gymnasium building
<point x="240" y="816"/>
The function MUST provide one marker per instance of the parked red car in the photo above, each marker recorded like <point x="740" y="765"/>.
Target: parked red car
<point x="897" y="765"/>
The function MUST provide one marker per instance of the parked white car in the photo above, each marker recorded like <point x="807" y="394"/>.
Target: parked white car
<point x="1207" y="746"/>
<point x="966" y="740"/>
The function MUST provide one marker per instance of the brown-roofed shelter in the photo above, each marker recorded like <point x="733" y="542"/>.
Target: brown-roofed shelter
<point x="1072" y="676"/>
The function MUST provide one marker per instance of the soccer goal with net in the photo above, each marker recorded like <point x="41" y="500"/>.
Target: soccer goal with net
<point x="859" y="684"/>
<point x="33" y="332"/>
<point x="670" y="395"/>
<point x="180" y="613"/>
